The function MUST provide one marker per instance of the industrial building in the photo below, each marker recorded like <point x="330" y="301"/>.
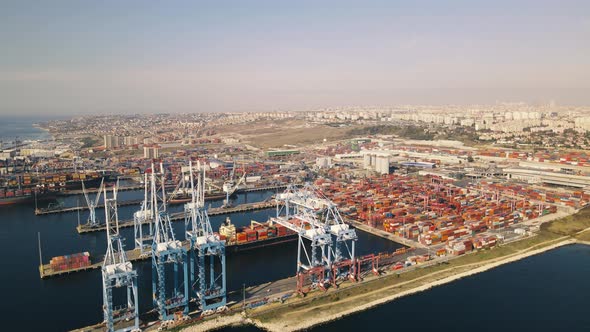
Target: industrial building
<point x="280" y="153"/>
<point x="543" y="176"/>
<point x="323" y="162"/>
<point x="377" y="161"/>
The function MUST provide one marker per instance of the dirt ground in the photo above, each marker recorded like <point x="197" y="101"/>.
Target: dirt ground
<point x="282" y="133"/>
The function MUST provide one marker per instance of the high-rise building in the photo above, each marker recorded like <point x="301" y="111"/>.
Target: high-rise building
<point x="130" y="140"/>
<point x="151" y="152"/>
<point x="111" y="141"/>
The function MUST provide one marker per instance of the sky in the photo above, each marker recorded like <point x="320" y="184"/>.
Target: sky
<point x="83" y="57"/>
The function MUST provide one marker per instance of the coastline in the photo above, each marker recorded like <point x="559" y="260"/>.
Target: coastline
<point x="296" y="325"/>
<point x="46" y="132"/>
<point x="485" y="267"/>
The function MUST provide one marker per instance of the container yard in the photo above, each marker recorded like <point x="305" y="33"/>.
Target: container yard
<point x="434" y="211"/>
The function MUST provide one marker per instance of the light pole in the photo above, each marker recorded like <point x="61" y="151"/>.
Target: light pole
<point x="243" y="297"/>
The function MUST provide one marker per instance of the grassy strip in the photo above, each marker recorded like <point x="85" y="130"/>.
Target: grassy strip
<point x="584" y="236"/>
<point x="396" y="283"/>
<point x="570" y="224"/>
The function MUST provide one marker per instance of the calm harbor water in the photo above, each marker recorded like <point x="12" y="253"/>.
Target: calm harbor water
<point x="547" y="292"/>
<point x="73" y="301"/>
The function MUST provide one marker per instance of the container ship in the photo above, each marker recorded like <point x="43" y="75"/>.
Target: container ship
<point x="179" y="197"/>
<point x="27" y="187"/>
<point x="10" y="196"/>
<point x="257" y="235"/>
<point x="254" y="236"/>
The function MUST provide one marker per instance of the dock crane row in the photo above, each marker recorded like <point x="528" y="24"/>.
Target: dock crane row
<point x="181" y="274"/>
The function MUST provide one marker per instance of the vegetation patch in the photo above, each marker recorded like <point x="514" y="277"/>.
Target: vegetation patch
<point x="569" y="225"/>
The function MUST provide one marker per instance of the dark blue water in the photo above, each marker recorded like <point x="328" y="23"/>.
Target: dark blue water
<point x="547" y="292"/>
<point x="21" y="127"/>
<point x="74" y="301"/>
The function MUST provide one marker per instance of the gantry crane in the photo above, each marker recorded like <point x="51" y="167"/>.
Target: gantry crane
<point x="314" y="217"/>
<point x="293" y="213"/>
<point x="117" y="272"/>
<point x="208" y="285"/>
<point x="92" y="220"/>
<point x="168" y="254"/>
<point x="230" y="186"/>
<point x="145" y="215"/>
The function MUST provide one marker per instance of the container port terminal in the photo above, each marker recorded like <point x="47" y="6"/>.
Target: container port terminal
<point x="440" y="200"/>
<point x="451" y="234"/>
<point x="317" y="166"/>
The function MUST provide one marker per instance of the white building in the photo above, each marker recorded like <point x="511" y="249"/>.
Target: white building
<point x="111" y="141"/>
<point x="323" y="162"/>
<point x="151" y="152"/>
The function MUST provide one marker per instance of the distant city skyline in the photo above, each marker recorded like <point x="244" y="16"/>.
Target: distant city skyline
<point x="74" y="57"/>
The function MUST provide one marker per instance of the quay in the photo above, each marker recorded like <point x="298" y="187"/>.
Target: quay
<point x="41" y="211"/>
<point x="44" y="211"/>
<point x="84" y="228"/>
<point x="216" y="196"/>
<point x="95" y="190"/>
<point x="46" y="271"/>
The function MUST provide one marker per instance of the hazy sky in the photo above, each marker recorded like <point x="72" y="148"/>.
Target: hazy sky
<point x="166" y="56"/>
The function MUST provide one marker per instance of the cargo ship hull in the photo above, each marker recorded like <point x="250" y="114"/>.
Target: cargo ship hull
<point x="26" y="199"/>
<point x="16" y="200"/>
<point x="237" y="247"/>
<point x="179" y="199"/>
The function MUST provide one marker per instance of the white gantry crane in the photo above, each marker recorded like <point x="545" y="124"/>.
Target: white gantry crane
<point x="144" y="236"/>
<point x="207" y="250"/>
<point x="118" y="272"/>
<point x="230" y="186"/>
<point x="315" y="218"/>
<point x="92" y="204"/>
<point x="169" y="257"/>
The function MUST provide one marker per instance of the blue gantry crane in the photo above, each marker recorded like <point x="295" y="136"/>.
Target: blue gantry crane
<point x="207" y="250"/>
<point x="117" y="272"/>
<point x="168" y="257"/>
